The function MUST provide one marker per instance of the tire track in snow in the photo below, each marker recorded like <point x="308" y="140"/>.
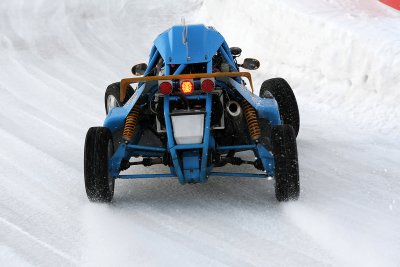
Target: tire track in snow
<point x="357" y="249"/>
<point x="38" y="241"/>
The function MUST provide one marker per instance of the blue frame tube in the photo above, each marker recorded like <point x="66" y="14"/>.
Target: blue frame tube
<point x="147" y="148"/>
<point x="167" y="69"/>
<point x="180" y="69"/>
<point x="148" y="176"/>
<point x="168" y="123"/>
<point x="171" y="142"/>
<point x="170" y="175"/>
<point x="223" y="149"/>
<point x="172" y="147"/>
<point x="229" y="54"/>
<point x="230" y="61"/>
<point x="238" y="174"/>
<point x="152" y="51"/>
<point x="227" y="58"/>
<point x="206" y="139"/>
<point x="188" y="146"/>
<point x="151" y="62"/>
<point x="209" y="66"/>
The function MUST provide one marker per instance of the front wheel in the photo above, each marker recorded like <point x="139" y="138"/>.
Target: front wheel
<point x="111" y="96"/>
<point x="284" y="96"/>
<point x="287" y="183"/>
<point x="98" y="150"/>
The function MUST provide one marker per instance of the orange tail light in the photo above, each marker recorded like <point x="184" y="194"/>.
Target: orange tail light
<point x="187" y="87"/>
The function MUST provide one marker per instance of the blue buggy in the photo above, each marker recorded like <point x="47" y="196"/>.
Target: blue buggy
<point x="192" y="110"/>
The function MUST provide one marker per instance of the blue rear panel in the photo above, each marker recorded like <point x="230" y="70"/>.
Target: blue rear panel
<point x="202" y="43"/>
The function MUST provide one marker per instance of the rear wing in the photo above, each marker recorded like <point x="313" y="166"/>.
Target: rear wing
<point x="125" y="82"/>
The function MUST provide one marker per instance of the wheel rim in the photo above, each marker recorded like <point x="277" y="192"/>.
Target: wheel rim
<point x="112" y="102"/>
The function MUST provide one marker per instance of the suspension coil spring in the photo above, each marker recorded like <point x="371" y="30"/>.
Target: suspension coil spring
<point x="130" y="123"/>
<point x="251" y="119"/>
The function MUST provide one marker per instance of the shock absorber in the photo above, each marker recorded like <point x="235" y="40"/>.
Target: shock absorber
<point x="251" y="119"/>
<point x="131" y="122"/>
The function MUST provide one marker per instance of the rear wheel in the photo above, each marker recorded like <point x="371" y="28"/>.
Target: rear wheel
<point x="287" y="184"/>
<point x="283" y="94"/>
<point x="98" y="150"/>
<point x="111" y="97"/>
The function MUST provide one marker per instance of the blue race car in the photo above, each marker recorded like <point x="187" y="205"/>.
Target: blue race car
<point x="193" y="111"/>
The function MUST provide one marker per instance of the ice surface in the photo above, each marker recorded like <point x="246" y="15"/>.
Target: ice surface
<point x="342" y="58"/>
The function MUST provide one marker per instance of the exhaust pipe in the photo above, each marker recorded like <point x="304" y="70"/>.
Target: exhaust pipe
<point x="235" y="124"/>
<point x="234" y="108"/>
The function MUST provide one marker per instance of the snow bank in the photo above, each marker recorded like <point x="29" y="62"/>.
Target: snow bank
<point x="336" y="54"/>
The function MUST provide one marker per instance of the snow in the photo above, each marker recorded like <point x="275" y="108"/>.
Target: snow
<point x="342" y="58"/>
<point x="342" y="54"/>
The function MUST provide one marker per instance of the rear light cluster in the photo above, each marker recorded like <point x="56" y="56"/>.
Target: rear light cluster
<point x="165" y="87"/>
<point x="187" y="86"/>
<point x="207" y="85"/>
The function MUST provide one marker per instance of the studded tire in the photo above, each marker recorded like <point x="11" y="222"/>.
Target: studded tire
<point x="98" y="150"/>
<point x="287" y="103"/>
<point x="111" y="97"/>
<point x="287" y="183"/>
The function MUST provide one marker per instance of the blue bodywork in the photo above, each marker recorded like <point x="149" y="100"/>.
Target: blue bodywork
<point x="204" y="42"/>
<point x="179" y="47"/>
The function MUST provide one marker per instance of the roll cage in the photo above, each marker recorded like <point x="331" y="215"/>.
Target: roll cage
<point x="176" y="66"/>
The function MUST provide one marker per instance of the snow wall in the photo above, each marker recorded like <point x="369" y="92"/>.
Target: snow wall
<point x="335" y="58"/>
<point x="333" y="53"/>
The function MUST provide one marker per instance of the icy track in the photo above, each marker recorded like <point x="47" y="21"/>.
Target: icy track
<point x="342" y="58"/>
